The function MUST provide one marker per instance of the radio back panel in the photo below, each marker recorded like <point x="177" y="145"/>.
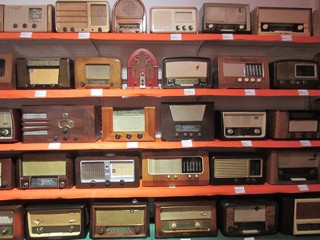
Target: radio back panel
<point x="12" y="222"/>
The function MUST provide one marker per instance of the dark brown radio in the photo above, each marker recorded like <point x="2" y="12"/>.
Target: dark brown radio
<point x="61" y="123"/>
<point x="7" y="174"/>
<point x="12" y="222"/>
<point x="45" y="170"/>
<point x="119" y="220"/>
<point x="7" y="71"/>
<point x="185" y="219"/>
<point x="10" y="130"/>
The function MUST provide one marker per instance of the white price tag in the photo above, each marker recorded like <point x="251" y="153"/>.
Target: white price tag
<point x="96" y="92"/>
<point x="303" y="187"/>
<point x="186" y="143"/>
<point x="189" y="91"/>
<point x="248" y="238"/>
<point x="303" y="92"/>
<point x="55" y="145"/>
<point x="246" y="143"/>
<point x="305" y="143"/>
<point x="40" y="93"/>
<point x="176" y="37"/>
<point x="172" y="186"/>
<point x="250" y="92"/>
<point x="239" y="189"/>
<point x="132" y="145"/>
<point x="286" y="37"/>
<point x="227" y="36"/>
<point x="26" y="35"/>
<point x="84" y="35"/>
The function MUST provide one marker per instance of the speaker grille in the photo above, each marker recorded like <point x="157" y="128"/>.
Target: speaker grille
<point x="119" y="217"/>
<point x="98" y="15"/>
<point x="162" y="20"/>
<point x="92" y="171"/>
<point x="231" y="168"/>
<point x="243" y="119"/>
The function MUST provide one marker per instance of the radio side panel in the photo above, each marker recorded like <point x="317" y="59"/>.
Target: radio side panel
<point x="7" y="174"/>
<point x="7" y="71"/>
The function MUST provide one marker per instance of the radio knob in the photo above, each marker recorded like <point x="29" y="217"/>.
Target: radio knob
<point x="282" y="81"/>
<point x="259" y="80"/>
<point x="99" y="29"/>
<point x="210" y="25"/>
<point x="137" y="230"/>
<point x="75" y="138"/>
<point x="246" y="79"/>
<point x="65" y="130"/>
<point x="65" y="138"/>
<point x="71" y="229"/>
<point x="15" y="25"/>
<point x="121" y="182"/>
<point x="108" y="183"/>
<point x="5" y="231"/>
<point x="178" y="27"/>
<point x="34" y="25"/>
<point x="40" y="230"/>
<point x="189" y="176"/>
<point x="25" y="185"/>
<point x="175" y="176"/>
<point x="248" y="180"/>
<point x="173" y="225"/>
<point x="117" y="136"/>
<point x="129" y="136"/>
<point x="304" y="82"/>
<point x="100" y="231"/>
<point x="252" y="80"/>
<point x="139" y="135"/>
<point x="64" y="29"/>
<point x="191" y="28"/>
<point x="55" y="138"/>
<point x="197" y="225"/>
<point x="300" y="27"/>
<point x="62" y="184"/>
<point x="4" y="132"/>
<point x="168" y="176"/>
<point x="240" y="79"/>
<point x="265" y="26"/>
<point x="92" y="183"/>
<point x="4" y="184"/>
<point x="241" y="27"/>
<point x="24" y="25"/>
<point x="184" y="28"/>
<point x="230" y="131"/>
<point x="82" y="84"/>
<point x="257" y="131"/>
<point x="196" y="176"/>
<point x="72" y="29"/>
<point x="293" y="82"/>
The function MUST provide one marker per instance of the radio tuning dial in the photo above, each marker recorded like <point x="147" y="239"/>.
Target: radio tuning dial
<point x="300" y="27"/>
<point x="4" y="132"/>
<point x="265" y="26"/>
<point x="173" y="225"/>
<point x="40" y="230"/>
<point x="197" y="225"/>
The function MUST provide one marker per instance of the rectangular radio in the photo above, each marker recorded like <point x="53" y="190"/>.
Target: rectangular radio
<point x="1" y="17"/>
<point x="28" y="18"/>
<point x="274" y="20"/>
<point x="49" y="73"/>
<point x="7" y="71"/>
<point x="142" y="70"/>
<point x="7" y="174"/>
<point x="82" y="16"/>
<point x="294" y="124"/>
<point x="182" y="121"/>
<point x="294" y="74"/>
<point x="119" y="220"/>
<point x="242" y="72"/>
<point x="242" y="125"/>
<point x="185" y="219"/>
<point x="225" y="18"/>
<point x="56" y="221"/>
<point x="128" y="124"/>
<point x="175" y="168"/>
<point x="186" y="72"/>
<point x="45" y="170"/>
<point x="129" y="16"/>
<point x="108" y="171"/>
<point x="61" y="123"/>
<point x="12" y="222"/>
<point x="9" y="125"/>
<point x="248" y="217"/>
<point x="97" y="72"/>
<point x="236" y="169"/>
<point x="173" y="19"/>
<point x="293" y="167"/>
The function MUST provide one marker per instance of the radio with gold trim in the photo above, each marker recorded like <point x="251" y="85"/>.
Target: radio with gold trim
<point x="12" y="222"/>
<point x="82" y="16"/>
<point x="185" y="219"/>
<point x="173" y="19"/>
<point x="50" y="73"/>
<point x="225" y="18"/>
<point x="186" y="72"/>
<point x="119" y="220"/>
<point x="175" y="168"/>
<point x="45" y="170"/>
<point x="56" y="221"/>
<point x="9" y="125"/>
<point x="7" y="174"/>
<point x="129" y="16"/>
<point x="293" y="167"/>
<point x="7" y="71"/>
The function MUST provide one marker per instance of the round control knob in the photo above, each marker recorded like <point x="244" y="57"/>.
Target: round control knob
<point x="24" y="25"/>
<point x="4" y="132"/>
<point x="65" y="138"/>
<point x="282" y="81"/>
<point x="40" y="230"/>
<point x="197" y="225"/>
<point x="189" y="176"/>
<point x="184" y="28"/>
<point x="257" y="131"/>
<point x="55" y="138"/>
<point x="72" y="29"/>
<point x="252" y="80"/>
<point x="62" y="184"/>
<point x="210" y="25"/>
<point x="259" y="80"/>
<point x="4" y="184"/>
<point x="241" y="27"/>
<point x="300" y="27"/>
<point x="75" y="138"/>
<point x="292" y="82"/>
<point x="117" y="136"/>
<point x="92" y="183"/>
<point x="15" y="25"/>
<point x="99" y="29"/>
<point x="108" y="183"/>
<point x="246" y="79"/>
<point x="173" y="225"/>
<point x="240" y="80"/>
<point x="82" y="84"/>
<point x="71" y="229"/>
<point x="64" y="29"/>
<point x="304" y="82"/>
<point x="230" y="131"/>
<point x="34" y="25"/>
<point x="129" y="136"/>
<point x="101" y="231"/>
<point x="175" y="176"/>
<point x="121" y="182"/>
<point x="168" y="176"/>
<point x="265" y="26"/>
<point x="25" y="185"/>
<point x="137" y="230"/>
<point x="5" y="231"/>
<point x="170" y="81"/>
<point x="191" y="28"/>
<point x="178" y="28"/>
<point x="139" y="135"/>
<point x="196" y="176"/>
<point x="65" y="130"/>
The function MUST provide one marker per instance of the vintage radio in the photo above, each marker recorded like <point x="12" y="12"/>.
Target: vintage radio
<point x="7" y="174"/>
<point x="175" y="168"/>
<point x="225" y="18"/>
<point x="187" y="72"/>
<point x="1" y="17"/>
<point x="236" y="169"/>
<point x="293" y="167"/>
<point x="248" y="217"/>
<point x="142" y="69"/>
<point x="300" y="215"/>
<point x="242" y="72"/>
<point x="50" y="73"/>
<point x="115" y="171"/>
<point x="119" y="220"/>
<point x="28" y="18"/>
<point x="271" y="20"/>
<point x="97" y="72"/>
<point x="185" y="219"/>
<point x="9" y="125"/>
<point x="7" y="71"/>
<point x="45" y="170"/>
<point x="61" y="123"/>
<point x="12" y="222"/>
<point x="294" y="124"/>
<point x="173" y="20"/>
<point x="294" y="74"/>
<point x="316" y="23"/>
<point x="56" y="221"/>
<point x="242" y="125"/>
<point x="182" y="121"/>
<point x="129" y="16"/>
<point x="128" y="124"/>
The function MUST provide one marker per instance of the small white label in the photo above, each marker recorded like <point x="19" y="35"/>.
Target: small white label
<point x="84" y="35"/>
<point x="176" y="37"/>
<point x="26" y="35"/>
<point x="303" y="92"/>
<point x="172" y="186"/>
<point x="246" y="143"/>
<point x="248" y="238"/>
<point x="305" y="143"/>
<point x="189" y="91"/>
<point x="40" y="93"/>
<point x="286" y="37"/>
<point x="55" y="145"/>
<point x="132" y="145"/>
<point x="303" y="187"/>
<point x="227" y="36"/>
<point x="186" y="143"/>
<point x="239" y="189"/>
<point x="96" y="92"/>
<point x="250" y="92"/>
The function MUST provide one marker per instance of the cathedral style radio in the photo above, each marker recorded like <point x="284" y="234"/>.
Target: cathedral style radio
<point x="7" y="71"/>
<point x="12" y="222"/>
<point x="9" y="125"/>
<point x="7" y="174"/>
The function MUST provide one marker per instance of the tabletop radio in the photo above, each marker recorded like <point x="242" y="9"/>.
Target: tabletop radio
<point x="7" y="71"/>
<point x="12" y="222"/>
<point x="9" y="125"/>
<point x="7" y="174"/>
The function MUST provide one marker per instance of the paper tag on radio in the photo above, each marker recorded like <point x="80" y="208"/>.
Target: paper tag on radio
<point x="26" y="35"/>
<point x="132" y="145"/>
<point x="248" y="238"/>
<point x="303" y="92"/>
<point x="303" y="187"/>
<point x="227" y="36"/>
<point x="96" y="92"/>
<point x="250" y="92"/>
<point x="176" y="37"/>
<point x="246" y="143"/>
<point x="286" y="37"/>
<point x="40" y="93"/>
<point x="84" y="35"/>
<point x="239" y="189"/>
<point x="186" y="143"/>
<point x="305" y="143"/>
<point x="189" y="91"/>
<point x="55" y="145"/>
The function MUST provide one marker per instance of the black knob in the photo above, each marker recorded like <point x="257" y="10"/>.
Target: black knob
<point x="55" y="138"/>
<point x="62" y="184"/>
<point x="72" y="29"/>
<point x="117" y="136"/>
<point x="178" y="27"/>
<point x="101" y="231"/>
<point x="34" y="25"/>
<point x="92" y="183"/>
<point x="24" y="25"/>
<point x="108" y="183"/>
<point x="137" y="230"/>
<point x="139" y="135"/>
<point x="65" y="138"/>
<point x="129" y="136"/>
<point x="15" y="25"/>
<point x="65" y="29"/>
<point x="99" y="29"/>
<point x="184" y="28"/>
<point x="121" y="182"/>
<point x="82" y="84"/>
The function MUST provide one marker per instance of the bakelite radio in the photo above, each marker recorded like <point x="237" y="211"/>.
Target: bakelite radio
<point x="7" y="174"/>
<point x="10" y="130"/>
<point x="7" y="71"/>
<point x="12" y="222"/>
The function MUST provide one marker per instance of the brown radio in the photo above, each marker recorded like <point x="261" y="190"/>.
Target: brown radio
<point x="82" y="16"/>
<point x="108" y="171"/>
<point x="185" y="219"/>
<point x="56" y="221"/>
<point x="186" y="72"/>
<point x="28" y="18"/>
<point x="173" y="20"/>
<point x="293" y="167"/>
<point x="97" y="72"/>
<point x="7" y="174"/>
<point x="129" y="16"/>
<point x="128" y="124"/>
<point x="270" y="21"/>
<point x="47" y="73"/>
<point x="9" y="125"/>
<point x="142" y="69"/>
<point x="12" y="222"/>
<point x="225" y="18"/>
<point x="182" y="121"/>
<point x="242" y="125"/>
<point x="7" y="71"/>
<point x="242" y="72"/>
<point x="175" y="168"/>
<point x="294" y="124"/>
<point x="1" y="17"/>
<point x="248" y="217"/>
<point x="61" y="123"/>
<point x="45" y="170"/>
<point x="119" y="220"/>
